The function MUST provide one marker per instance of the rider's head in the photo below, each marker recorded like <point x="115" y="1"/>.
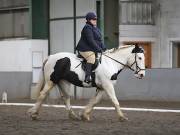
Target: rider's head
<point x="91" y="17"/>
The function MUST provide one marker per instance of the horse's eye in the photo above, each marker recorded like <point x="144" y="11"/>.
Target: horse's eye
<point x="140" y="58"/>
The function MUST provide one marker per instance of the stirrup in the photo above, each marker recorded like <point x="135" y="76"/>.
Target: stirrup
<point x="88" y="79"/>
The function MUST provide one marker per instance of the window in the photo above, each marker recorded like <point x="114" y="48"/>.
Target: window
<point x="136" y="12"/>
<point x="14" y="16"/>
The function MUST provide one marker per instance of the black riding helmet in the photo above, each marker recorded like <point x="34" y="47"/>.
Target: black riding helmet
<point x="90" y="16"/>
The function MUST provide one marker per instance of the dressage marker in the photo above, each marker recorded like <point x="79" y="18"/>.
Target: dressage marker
<point x="97" y="108"/>
<point x="4" y="97"/>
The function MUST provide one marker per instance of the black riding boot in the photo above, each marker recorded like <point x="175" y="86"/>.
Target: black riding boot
<point x="88" y="78"/>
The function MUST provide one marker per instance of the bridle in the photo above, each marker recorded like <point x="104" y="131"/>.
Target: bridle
<point x="138" y="69"/>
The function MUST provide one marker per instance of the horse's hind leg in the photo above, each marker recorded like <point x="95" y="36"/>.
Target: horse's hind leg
<point x="43" y="94"/>
<point x="64" y="88"/>
<point x="88" y="109"/>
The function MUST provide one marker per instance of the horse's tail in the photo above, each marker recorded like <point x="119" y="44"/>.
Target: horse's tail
<point x="39" y="86"/>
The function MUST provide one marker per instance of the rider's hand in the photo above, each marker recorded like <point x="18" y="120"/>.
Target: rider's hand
<point x="104" y="49"/>
<point x="101" y="51"/>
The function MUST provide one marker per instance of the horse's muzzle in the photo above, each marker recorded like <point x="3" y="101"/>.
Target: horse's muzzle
<point x="139" y="76"/>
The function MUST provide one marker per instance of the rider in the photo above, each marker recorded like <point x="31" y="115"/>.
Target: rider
<point x="90" y="43"/>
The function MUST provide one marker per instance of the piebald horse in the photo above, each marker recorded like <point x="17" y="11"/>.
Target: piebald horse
<point x="62" y="70"/>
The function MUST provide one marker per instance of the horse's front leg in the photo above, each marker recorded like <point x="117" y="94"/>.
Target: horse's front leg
<point x="88" y="109"/>
<point x="43" y="94"/>
<point x="109" y="88"/>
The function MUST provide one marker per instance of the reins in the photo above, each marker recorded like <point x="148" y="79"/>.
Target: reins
<point x="120" y="62"/>
<point x="138" y="69"/>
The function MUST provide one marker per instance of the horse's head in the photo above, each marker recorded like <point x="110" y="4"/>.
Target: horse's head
<point x="137" y="61"/>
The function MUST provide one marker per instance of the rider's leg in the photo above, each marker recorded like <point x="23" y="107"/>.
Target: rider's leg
<point x="64" y="89"/>
<point x="108" y="87"/>
<point x="88" y="109"/>
<point x="90" y="58"/>
<point x="88" y="78"/>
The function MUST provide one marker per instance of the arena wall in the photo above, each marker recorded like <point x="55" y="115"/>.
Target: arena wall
<point x="19" y="71"/>
<point x="157" y="85"/>
<point x="20" y="62"/>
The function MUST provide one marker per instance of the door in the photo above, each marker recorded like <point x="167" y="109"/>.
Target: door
<point x="176" y="55"/>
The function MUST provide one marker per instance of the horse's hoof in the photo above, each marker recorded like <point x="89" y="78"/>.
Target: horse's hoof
<point x="32" y="113"/>
<point x="34" y="116"/>
<point x="84" y="117"/>
<point x="73" y="116"/>
<point x="123" y="119"/>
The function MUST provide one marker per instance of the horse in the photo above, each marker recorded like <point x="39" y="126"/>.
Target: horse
<point x="63" y="69"/>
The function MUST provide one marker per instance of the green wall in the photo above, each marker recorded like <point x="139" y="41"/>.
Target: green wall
<point x="39" y="18"/>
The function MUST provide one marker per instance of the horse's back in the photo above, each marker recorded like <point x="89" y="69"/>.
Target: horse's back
<point x="62" y="55"/>
<point x="53" y="59"/>
<point x="62" y="66"/>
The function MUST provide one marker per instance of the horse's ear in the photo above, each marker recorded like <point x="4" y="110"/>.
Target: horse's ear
<point x="136" y="45"/>
<point x="137" y="49"/>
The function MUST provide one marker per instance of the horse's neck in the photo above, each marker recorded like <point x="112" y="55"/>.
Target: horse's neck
<point x="121" y="56"/>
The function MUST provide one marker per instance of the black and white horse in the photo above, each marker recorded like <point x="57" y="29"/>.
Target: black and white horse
<point x="62" y="70"/>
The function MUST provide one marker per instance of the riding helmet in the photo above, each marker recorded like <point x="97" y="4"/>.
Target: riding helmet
<point x="91" y="15"/>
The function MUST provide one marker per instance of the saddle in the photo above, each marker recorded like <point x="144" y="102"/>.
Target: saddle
<point x="95" y="65"/>
<point x="83" y="63"/>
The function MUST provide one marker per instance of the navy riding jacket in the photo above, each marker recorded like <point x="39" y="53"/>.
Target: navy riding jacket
<point x="90" y="40"/>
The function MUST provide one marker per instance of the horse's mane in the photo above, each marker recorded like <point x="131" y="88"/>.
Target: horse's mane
<point x="118" y="48"/>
